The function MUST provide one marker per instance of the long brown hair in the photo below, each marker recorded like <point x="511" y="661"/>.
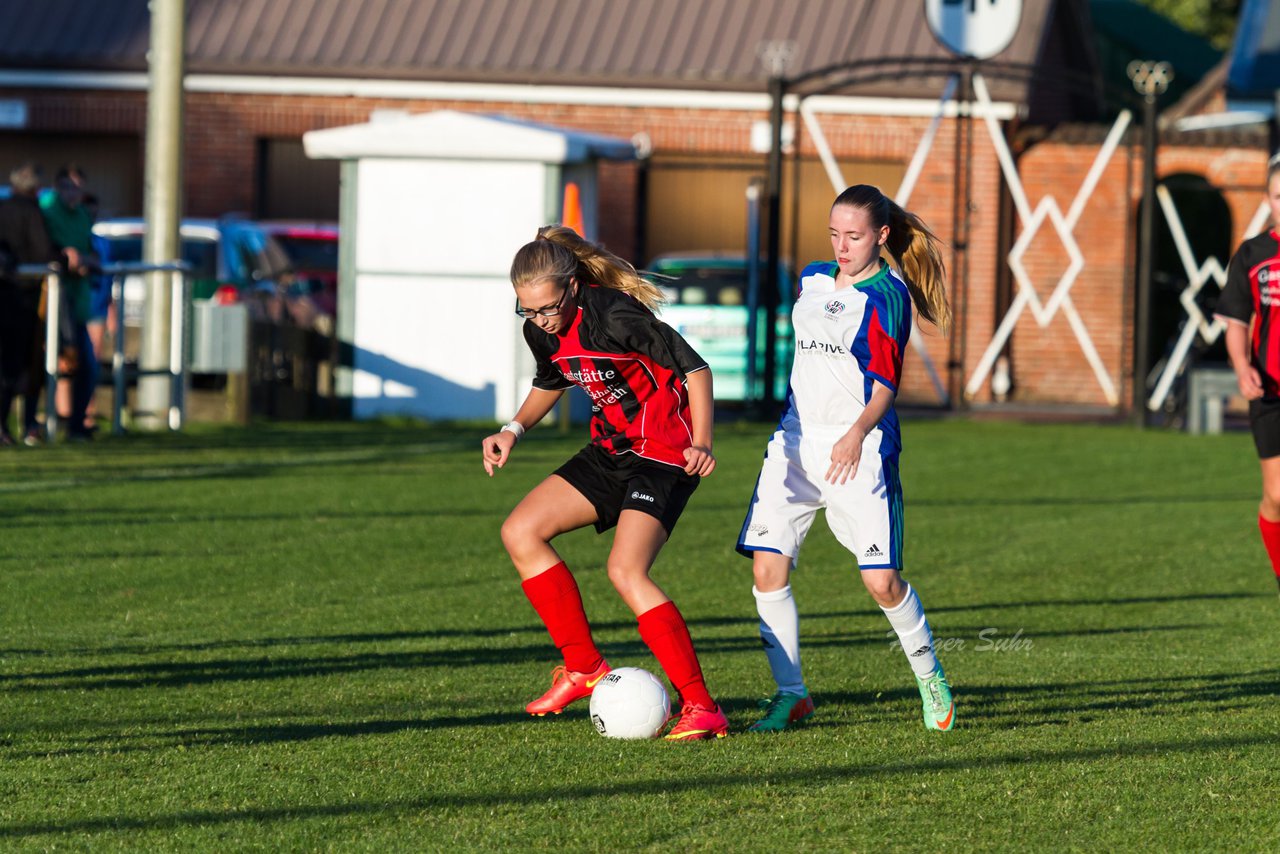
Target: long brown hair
<point x="915" y="251"/>
<point x="560" y="253"/>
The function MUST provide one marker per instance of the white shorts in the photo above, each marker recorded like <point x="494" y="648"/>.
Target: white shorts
<point x="865" y="514"/>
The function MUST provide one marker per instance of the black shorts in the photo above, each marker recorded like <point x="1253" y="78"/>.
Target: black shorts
<point x="1264" y="419"/>
<point x="617" y="482"/>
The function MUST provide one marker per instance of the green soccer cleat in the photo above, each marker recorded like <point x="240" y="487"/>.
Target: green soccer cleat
<point x="782" y="710"/>
<point x="936" y="702"/>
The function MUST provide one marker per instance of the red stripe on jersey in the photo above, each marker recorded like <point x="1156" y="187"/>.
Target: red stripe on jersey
<point x="886" y="358"/>
<point x="638" y="405"/>
<point x="1265" y="280"/>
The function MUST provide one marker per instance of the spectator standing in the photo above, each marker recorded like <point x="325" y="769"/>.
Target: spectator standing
<point x="71" y="228"/>
<point x="24" y="239"/>
<point x="100" y="320"/>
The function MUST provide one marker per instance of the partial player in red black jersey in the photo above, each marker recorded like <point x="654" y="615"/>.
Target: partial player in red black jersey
<point x="589" y="323"/>
<point x="632" y="366"/>
<point x="1250" y="306"/>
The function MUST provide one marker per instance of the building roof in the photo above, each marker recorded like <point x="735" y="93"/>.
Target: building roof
<point x="683" y="44"/>
<point x="447" y="134"/>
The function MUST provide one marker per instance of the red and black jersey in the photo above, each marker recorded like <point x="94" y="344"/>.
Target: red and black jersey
<point x="1253" y="291"/>
<point x="632" y="366"/>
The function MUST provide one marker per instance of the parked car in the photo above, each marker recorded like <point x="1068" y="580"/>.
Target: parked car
<point x="312" y="248"/>
<point x="232" y="260"/>
<point x="707" y="304"/>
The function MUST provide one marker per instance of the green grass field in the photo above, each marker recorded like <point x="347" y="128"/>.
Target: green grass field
<point x="309" y="637"/>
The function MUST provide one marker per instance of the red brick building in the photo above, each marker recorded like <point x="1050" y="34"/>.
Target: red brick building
<point x="688" y="82"/>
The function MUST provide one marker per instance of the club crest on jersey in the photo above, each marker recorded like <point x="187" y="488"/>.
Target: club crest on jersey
<point x="835" y="307"/>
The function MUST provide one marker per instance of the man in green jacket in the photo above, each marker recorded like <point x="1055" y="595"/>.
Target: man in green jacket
<point x="71" y="229"/>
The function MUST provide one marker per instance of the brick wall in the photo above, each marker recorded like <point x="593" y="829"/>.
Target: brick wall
<point x="1049" y="365"/>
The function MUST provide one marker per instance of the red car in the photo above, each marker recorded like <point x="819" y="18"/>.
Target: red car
<point x="312" y="248"/>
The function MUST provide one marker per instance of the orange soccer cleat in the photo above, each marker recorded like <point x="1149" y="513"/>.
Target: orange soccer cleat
<point x="567" y="686"/>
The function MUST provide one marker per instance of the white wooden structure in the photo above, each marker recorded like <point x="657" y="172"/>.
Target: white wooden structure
<point x="433" y="208"/>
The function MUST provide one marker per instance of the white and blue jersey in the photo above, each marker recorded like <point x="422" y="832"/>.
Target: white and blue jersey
<point x="847" y="339"/>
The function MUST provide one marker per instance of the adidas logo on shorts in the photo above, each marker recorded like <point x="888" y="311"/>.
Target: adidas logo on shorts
<point x="874" y="551"/>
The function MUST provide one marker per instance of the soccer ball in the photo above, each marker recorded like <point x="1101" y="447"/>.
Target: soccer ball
<point x="629" y="703"/>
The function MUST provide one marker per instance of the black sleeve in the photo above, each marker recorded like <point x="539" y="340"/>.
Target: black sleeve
<point x="546" y="375"/>
<point x="1236" y="300"/>
<point x="636" y="330"/>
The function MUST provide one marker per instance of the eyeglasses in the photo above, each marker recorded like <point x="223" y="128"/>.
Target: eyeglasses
<point x="551" y="311"/>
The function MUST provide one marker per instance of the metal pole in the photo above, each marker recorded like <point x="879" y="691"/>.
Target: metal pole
<point x="773" y="202"/>
<point x="1275" y="127"/>
<point x="1146" y="245"/>
<point x="52" y="320"/>
<point x="178" y="350"/>
<point x="1150" y="79"/>
<point x="750" y="393"/>
<point x="162" y="205"/>
<point x="120" y="381"/>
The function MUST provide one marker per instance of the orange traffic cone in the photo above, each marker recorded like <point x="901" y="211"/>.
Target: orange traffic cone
<point x="571" y="216"/>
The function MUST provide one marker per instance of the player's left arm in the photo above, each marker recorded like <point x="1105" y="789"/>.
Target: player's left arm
<point x="846" y="453"/>
<point x="698" y="459"/>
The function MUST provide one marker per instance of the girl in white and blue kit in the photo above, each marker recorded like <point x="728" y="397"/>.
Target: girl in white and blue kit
<point x="838" y="442"/>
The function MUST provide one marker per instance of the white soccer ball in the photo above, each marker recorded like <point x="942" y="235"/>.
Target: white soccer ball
<point x="629" y="702"/>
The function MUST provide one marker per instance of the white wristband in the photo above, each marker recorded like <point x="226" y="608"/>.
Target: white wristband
<point x="514" y="427"/>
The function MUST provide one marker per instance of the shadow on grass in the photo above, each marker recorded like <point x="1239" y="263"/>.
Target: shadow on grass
<point x="542" y="796"/>
<point x="151" y="517"/>
<point x="271" y="734"/>
<point x="1079" y="500"/>
<point x="162" y="674"/>
<point x="1099" y="603"/>
<point x="1055" y="703"/>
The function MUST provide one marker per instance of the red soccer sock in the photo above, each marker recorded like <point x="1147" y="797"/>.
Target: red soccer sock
<point x="554" y="595"/>
<point x="1271" y="539"/>
<point x="663" y="630"/>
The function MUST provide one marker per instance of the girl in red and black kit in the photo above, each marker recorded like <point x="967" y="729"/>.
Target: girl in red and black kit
<point x="1252" y="294"/>
<point x="589" y="323"/>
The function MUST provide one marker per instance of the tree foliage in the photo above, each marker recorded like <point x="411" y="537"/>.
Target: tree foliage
<point x="1215" y="20"/>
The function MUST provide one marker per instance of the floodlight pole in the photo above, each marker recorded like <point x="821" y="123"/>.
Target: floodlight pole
<point x="1150" y="79"/>
<point x="162" y="207"/>
<point x="1274" y="148"/>
<point x="1146" y="228"/>
<point x="773" y="209"/>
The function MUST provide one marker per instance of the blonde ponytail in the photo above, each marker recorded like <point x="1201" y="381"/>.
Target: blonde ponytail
<point x="560" y="253"/>
<point x="915" y="251"/>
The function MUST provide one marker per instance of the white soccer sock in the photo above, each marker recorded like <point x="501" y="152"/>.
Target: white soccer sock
<point x="909" y="621"/>
<point x="780" y="632"/>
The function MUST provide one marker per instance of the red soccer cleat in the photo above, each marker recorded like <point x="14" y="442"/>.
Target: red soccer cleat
<point x="698" y="723"/>
<point x="567" y="686"/>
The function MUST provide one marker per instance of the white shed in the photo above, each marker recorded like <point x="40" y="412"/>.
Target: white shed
<point x="433" y="207"/>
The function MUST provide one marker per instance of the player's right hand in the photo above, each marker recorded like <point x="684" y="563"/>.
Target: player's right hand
<point x="496" y="448"/>
<point x="1250" y="383"/>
